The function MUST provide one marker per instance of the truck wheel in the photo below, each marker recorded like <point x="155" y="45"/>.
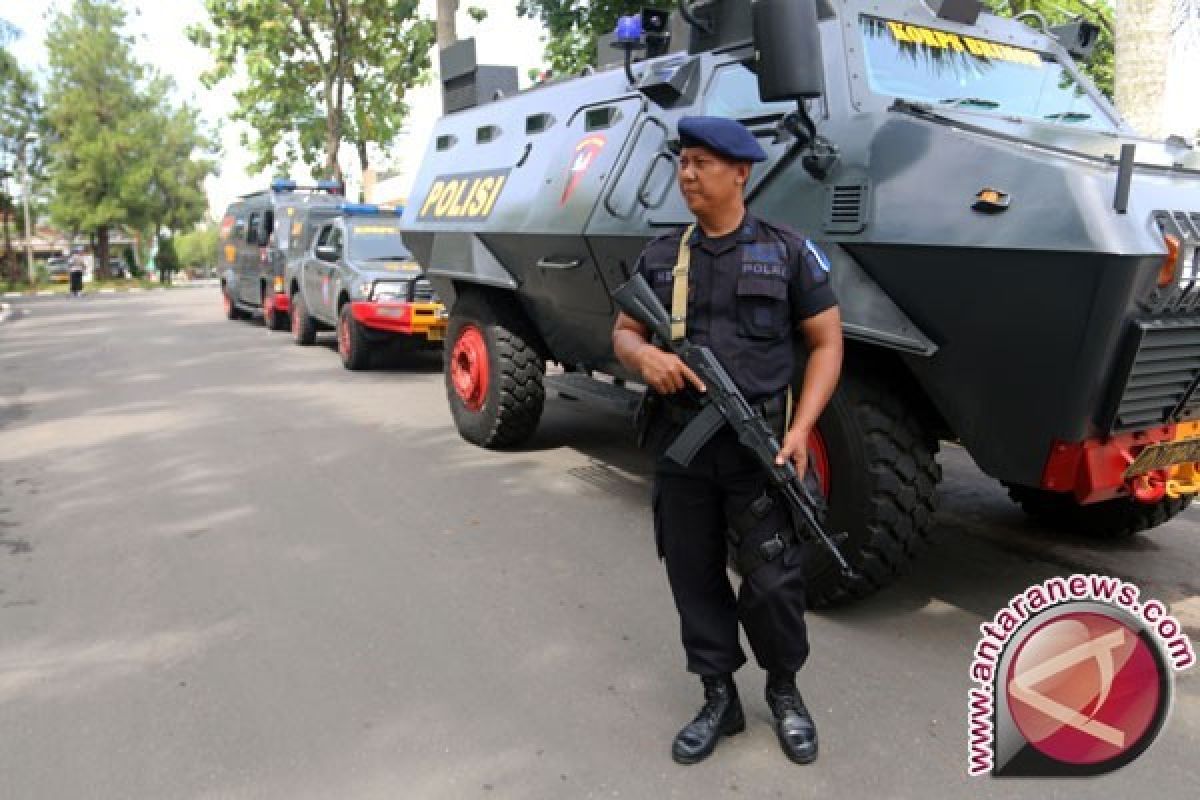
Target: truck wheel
<point x="876" y="466"/>
<point x="493" y="374"/>
<point x="304" y="327"/>
<point x="1118" y="518"/>
<point x="352" y="342"/>
<point x="231" y="310"/>
<point x="274" y="320"/>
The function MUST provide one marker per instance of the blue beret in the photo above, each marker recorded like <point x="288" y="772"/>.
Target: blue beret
<point x="725" y="137"/>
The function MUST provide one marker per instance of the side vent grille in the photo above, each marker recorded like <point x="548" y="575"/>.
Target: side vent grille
<point x="847" y="209"/>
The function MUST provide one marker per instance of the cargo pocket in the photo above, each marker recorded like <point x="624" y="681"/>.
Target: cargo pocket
<point x="762" y="309"/>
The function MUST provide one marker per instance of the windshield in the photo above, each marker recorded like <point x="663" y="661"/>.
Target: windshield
<point x="375" y="240"/>
<point x="948" y="69"/>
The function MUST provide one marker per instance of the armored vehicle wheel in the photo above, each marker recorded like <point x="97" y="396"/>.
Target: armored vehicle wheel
<point x="493" y="373"/>
<point x="1118" y="518"/>
<point x="304" y="327"/>
<point x="353" y="346"/>
<point x="875" y="462"/>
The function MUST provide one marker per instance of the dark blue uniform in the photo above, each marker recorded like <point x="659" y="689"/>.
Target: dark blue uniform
<point x="747" y="294"/>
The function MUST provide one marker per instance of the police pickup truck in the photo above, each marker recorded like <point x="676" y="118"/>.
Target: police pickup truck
<point x="358" y="278"/>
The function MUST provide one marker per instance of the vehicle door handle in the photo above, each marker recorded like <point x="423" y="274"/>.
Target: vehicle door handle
<point x="546" y="263"/>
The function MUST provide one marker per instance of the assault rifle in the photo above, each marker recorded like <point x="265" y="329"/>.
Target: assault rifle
<point x="724" y="404"/>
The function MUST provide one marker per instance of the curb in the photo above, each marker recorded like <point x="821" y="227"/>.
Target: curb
<point x="5" y="310"/>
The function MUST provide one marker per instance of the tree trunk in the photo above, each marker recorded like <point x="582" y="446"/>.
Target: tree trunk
<point x="366" y="193"/>
<point x="101" y="266"/>
<point x="447" y="33"/>
<point x="1141" y="50"/>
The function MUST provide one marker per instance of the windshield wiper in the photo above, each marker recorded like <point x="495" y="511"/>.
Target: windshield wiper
<point x="1068" y="116"/>
<point x="975" y="102"/>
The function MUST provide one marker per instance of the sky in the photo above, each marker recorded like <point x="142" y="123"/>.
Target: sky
<point x="159" y="28"/>
<point x="502" y="38"/>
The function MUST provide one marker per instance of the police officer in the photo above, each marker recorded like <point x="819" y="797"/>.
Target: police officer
<point x="744" y="288"/>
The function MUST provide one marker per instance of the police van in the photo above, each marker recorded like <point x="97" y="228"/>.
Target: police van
<point x="357" y="277"/>
<point x="259" y="232"/>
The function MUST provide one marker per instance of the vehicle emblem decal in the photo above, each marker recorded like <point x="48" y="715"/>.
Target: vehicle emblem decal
<point x="586" y="152"/>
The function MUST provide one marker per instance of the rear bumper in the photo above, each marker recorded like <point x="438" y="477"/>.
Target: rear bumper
<point x="1094" y="470"/>
<point x="279" y="303"/>
<point x="407" y="319"/>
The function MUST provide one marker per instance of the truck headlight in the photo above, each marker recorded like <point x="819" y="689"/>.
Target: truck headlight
<point x="390" y="290"/>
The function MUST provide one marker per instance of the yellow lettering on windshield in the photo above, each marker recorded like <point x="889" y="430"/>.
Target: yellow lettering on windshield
<point x="945" y="40"/>
<point x="375" y="230"/>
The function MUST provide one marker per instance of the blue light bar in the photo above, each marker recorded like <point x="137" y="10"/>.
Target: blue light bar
<point x="359" y="208"/>
<point x="283" y="185"/>
<point x="329" y="186"/>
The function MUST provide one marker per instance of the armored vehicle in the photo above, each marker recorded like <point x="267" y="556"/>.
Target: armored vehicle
<point x="257" y="232"/>
<point x="1016" y="267"/>
<point x="358" y="278"/>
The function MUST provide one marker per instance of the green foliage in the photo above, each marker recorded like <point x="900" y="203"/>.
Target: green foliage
<point x="317" y="73"/>
<point x="573" y="25"/>
<point x="166" y="260"/>
<point x="1057" y="12"/>
<point x="197" y="247"/>
<point x="119" y="152"/>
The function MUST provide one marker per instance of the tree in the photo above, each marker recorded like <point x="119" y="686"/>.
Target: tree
<point x="166" y="259"/>
<point x="1142" y="53"/>
<point x="198" y="247"/>
<point x="573" y="25"/>
<point x="120" y="154"/>
<point x="22" y="131"/>
<point x="318" y="73"/>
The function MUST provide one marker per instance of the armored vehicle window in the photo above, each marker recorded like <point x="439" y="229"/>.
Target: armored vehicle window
<point x="446" y="141"/>
<point x="323" y="236"/>
<point x="268" y="223"/>
<point x="252" y="230"/>
<point x="239" y="228"/>
<point x="486" y="133"/>
<point x="970" y="74"/>
<point x="335" y="237"/>
<point x="596" y="119"/>
<point x="734" y="94"/>
<point x="537" y="123"/>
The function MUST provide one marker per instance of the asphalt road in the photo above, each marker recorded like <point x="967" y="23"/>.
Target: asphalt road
<point x="230" y="569"/>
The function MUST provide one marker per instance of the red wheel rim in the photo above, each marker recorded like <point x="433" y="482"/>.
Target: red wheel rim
<point x="296" y="317"/>
<point x="343" y="334"/>
<point x="469" y="367"/>
<point x="820" y="459"/>
<point x="225" y="304"/>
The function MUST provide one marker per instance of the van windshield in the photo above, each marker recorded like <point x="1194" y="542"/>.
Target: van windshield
<point x="375" y="240"/>
<point x="962" y="72"/>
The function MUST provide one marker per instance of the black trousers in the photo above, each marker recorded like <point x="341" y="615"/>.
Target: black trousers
<point x="692" y="509"/>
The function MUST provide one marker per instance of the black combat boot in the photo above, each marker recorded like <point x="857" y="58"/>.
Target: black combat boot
<point x="793" y="725"/>
<point x="721" y="716"/>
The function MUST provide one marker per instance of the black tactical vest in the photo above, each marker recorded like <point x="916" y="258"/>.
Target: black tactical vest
<point x="747" y="293"/>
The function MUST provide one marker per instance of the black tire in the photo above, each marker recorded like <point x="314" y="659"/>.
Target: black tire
<point x="512" y="404"/>
<point x="353" y="345"/>
<point x="232" y="312"/>
<point x="304" y="327"/>
<point x="883" y="488"/>
<point x="1119" y="518"/>
<point x="275" y="320"/>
